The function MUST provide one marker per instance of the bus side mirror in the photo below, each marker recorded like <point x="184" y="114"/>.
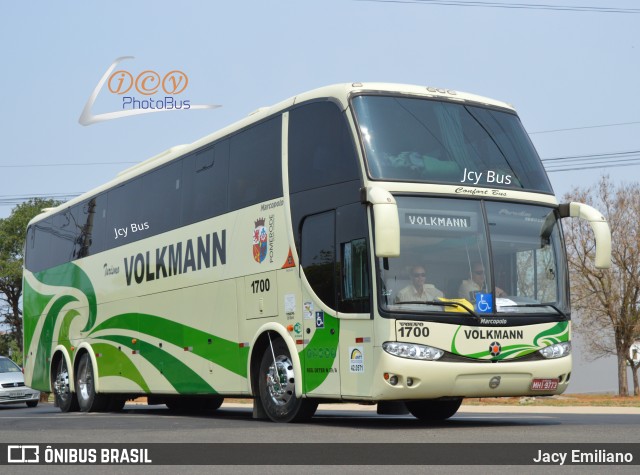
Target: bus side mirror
<point x="599" y="226"/>
<point x="386" y="221"/>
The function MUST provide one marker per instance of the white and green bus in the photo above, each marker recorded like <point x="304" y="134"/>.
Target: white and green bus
<point x="375" y="243"/>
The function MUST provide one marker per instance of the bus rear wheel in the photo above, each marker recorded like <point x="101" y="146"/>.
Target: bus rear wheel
<point x="60" y="382"/>
<point x="277" y="387"/>
<point x="88" y="399"/>
<point x="434" y="410"/>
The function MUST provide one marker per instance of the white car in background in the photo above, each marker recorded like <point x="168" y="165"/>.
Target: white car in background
<point x="12" y="388"/>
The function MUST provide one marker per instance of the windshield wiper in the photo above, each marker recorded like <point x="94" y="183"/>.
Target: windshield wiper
<point x="441" y="304"/>
<point x="539" y="305"/>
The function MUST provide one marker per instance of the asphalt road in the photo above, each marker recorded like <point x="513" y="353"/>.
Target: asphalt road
<point x="386" y="436"/>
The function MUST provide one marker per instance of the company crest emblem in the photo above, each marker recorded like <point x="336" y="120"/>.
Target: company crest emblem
<point x="495" y="348"/>
<point x="260" y="245"/>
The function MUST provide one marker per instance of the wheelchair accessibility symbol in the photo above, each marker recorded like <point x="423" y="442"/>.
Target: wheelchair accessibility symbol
<point x="319" y="319"/>
<point x="484" y="303"/>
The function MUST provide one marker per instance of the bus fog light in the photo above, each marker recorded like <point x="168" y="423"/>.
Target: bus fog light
<point x="393" y="380"/>
<point x="412" y="351"/>
<point x="558" y="350"/>
<point x="409" y="382"/>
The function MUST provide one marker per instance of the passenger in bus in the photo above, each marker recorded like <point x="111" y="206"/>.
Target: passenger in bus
<point x="477" y="283"/>
<point x="418" y="291"/>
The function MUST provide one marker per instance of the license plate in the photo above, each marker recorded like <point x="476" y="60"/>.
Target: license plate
<point x="17" y="394"/>
<point x="544" y="384"/>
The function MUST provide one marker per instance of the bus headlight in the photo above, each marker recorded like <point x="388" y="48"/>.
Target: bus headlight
<point x="556" y="351"/>
<point x="412" y="351"/>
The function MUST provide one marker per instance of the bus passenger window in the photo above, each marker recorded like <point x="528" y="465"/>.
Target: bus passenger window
<point x="255" y="170"/>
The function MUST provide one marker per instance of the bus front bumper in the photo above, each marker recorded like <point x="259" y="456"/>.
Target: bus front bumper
<point x="405" y="379"/>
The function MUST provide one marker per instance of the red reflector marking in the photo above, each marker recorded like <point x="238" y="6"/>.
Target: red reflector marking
<point x="188" y="348"/>
<point x="359" y="340"/>
<point x="98" y="355"/>
<point x="299" y="342"/>
<point x="134" y="352"/>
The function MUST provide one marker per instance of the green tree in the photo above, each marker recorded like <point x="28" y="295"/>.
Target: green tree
<point x="608" y="300"/>
<point x="13" y="232"/>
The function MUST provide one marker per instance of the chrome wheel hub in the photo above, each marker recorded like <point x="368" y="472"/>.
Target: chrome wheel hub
<point x="280" y="381"/>
<point x="61" y="385"/>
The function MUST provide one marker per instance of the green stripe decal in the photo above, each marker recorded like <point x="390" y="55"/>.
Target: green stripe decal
<point x="34" y="305"/>
<point x="178" y="374"/>
<point x="43" y="353"/>
<point x="113" y="362"/>
<point x="556" y="334"/>
<point x="224" y="353"/>
<point x="70" y="275"/>
<point x="319" y="354"/>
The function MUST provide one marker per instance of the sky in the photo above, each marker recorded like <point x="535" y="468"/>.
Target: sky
<point x="560" y="69"/>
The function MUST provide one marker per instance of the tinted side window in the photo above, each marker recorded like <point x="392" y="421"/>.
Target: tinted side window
<point x="38" y="255"/>
<point x="321" y="151"/>
<point x="89" y="231"/>
<point x="125" y="214"/>
<point x="92" y="215"/>
<point x="64" y="232"/>
<point x="161" y="197"/>
<point x="255" y="165"/>
<point x="318" y="255"/>
<point x="206" y="179"/>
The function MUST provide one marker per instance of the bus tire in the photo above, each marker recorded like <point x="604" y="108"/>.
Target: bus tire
<point x="32" y="403"/>
<point x="277" y="393"/>
<point x="434" y="410"/>
<point x="88" y="399"/>
<point x="63" y="397"/>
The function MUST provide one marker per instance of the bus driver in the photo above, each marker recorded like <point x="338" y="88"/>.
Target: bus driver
<point x="477" y="283"/>
<point x="418" y="291"/>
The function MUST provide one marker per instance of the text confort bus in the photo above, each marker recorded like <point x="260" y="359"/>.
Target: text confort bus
<point x="270" y="260"/>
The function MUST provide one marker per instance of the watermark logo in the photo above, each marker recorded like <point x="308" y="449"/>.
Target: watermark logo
<point x="23" y="454"/>
<point x="148" y="82"/>
<point x="143" y="93"/>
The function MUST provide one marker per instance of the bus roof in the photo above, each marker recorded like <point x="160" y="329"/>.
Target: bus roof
<point x="339" y="92"/>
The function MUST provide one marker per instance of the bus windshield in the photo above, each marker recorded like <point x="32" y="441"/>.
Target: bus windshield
<point x="490" y="257"/>
<point x="423" y="140"/>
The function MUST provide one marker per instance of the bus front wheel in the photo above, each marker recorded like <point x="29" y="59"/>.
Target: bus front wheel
<point x="60" y="383"/>
<point x="277" y="386"/>
<point x="434" y="410"/>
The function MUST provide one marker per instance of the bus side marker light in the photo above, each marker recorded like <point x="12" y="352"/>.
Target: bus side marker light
<point x="134" y="341"/>
<point x="290" y="328"/>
